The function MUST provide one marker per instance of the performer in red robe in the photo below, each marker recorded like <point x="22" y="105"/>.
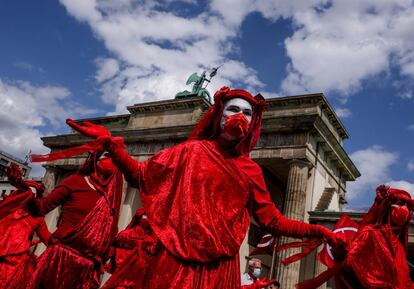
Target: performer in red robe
<point x="90" y="201"/>
<point x="132" y="248"/>
<point x="376" y="256"/>
<point x="199" y="196"/>
<point x="17" y="227"/>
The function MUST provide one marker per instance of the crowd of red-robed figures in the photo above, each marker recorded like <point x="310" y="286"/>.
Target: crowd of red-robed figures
<point x="198" y="198"/>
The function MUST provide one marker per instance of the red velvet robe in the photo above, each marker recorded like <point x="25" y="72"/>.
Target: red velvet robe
<point x="16" y="261"/>
<point x="129" y="263"/>
<point x="198" y="197"/>
<point x="375" y="259"/>
<point x="87" y="226"/>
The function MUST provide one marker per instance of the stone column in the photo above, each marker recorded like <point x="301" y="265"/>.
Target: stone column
<point x="50" y="178"/>
<point x="294" y="208"/>
<point x="319" y="268"/>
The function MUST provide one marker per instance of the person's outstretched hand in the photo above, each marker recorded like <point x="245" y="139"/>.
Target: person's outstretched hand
<point x="88" y="129"/>
<point x="339" y="249"/>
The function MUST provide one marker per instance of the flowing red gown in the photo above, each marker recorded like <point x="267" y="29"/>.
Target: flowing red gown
<point x="376" y="259"/>
<point x="17" y="228"/>
<point x="198" y="197"/>
<point x="87" y="226"/>
<point x="129" y="263"/>
<point x="376" y="256"/>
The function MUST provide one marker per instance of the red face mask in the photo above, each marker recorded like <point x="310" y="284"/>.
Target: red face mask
<point x="399" y="215"/>
<point x="105" y="167"/>
<point x="236" y="126"/>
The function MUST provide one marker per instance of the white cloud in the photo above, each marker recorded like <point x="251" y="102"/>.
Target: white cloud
<point x="335" y="45"/>
<point x="28" y="67"/>
<point x="405" y="94"/>
<point x="155" y="50"/>
<point x="411" y="127"/>
<point x="374" y="164"/>
<point x="343" y="112"/>
<point x="410" y="165"/>
<point x="107" y="68"/>
<point x="25" y="111"/>
<point x="403" y="185"/>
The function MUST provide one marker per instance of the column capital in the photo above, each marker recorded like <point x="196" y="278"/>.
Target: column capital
<point x="300" y="162"/>
<point x="50" y="167"/>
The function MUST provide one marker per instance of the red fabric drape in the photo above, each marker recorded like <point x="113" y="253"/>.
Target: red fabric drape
<point x="16" y="261"/>
<point x="183" y="208"/>
<point x="17" y="228"/>
<point x="166" y="270"/>
<point x="375" y="257"/>
<point x="75" y="260"/>
<point x="130" y="260"/>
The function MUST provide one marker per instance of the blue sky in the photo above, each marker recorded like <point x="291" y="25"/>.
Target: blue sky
<point x="85" y="58"/>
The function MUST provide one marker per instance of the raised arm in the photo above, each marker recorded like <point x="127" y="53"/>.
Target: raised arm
<point x="42" y="206"/>
<point x="116" y="147"/>
<point x="129" y="167"/>
<point x="270" y="217"/>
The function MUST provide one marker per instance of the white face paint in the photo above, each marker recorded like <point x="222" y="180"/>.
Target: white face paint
<point x="237" y="105"/>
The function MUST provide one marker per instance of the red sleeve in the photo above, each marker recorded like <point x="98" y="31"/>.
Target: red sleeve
<point x="43" y="232"/>
<point x="129" y="167"/>
<point x="55" y="198"/>
<point x="268" y="216"/>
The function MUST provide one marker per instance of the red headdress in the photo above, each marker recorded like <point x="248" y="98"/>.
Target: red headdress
<point x="209" y="125"/>
<point x="379" y="212"/>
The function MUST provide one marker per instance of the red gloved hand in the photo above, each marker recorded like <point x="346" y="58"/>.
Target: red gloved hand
<point x="339" y="248"/>
<point x="14" y="174"/>
<point x="88" y="129"/>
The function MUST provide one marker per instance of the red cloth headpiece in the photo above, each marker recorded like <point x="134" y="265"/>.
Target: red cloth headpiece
<point x="379" y="212"/>
<point x="386" y="196"/>
<point x="209" y="125"/>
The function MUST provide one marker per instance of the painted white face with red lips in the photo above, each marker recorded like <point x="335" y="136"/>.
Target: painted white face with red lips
<point x="235" y="106"/>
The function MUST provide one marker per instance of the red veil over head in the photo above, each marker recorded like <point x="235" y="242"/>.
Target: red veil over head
<point x="209" y="125"/>
<point x="379" y="213"/>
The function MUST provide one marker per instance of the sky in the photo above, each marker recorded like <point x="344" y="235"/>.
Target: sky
<point x="88" y="58"/>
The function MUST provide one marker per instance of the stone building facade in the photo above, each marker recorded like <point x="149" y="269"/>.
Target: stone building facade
<point x="300" y="152"/>
<point x="5" y="160"/>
